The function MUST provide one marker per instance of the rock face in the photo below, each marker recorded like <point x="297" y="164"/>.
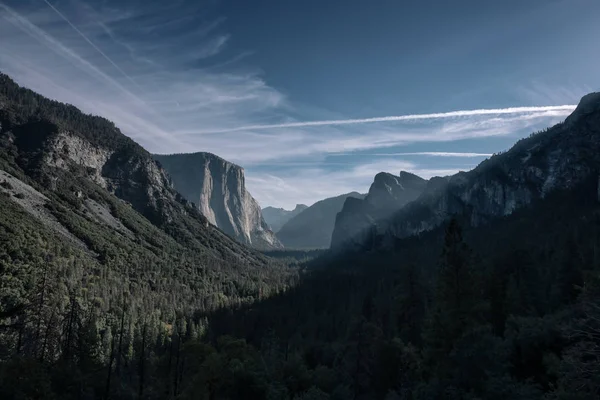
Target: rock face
<point x="388" y="193"/>
<point x="85" y="166"/>
<point x="277" y="217"/>
<point x="559" y="158"/>
<point x="312" y="228"/>
<point x="218" y="189"/>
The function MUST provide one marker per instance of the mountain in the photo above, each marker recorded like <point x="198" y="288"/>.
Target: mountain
<point x="312" y="228"/>
<point x="112" y="285"/>
<point x="277" y="217"/>
<point x="517" y="283"/>
<point x="469" y="305"/>
<point x="218" y="189"/>
<point x="558" y="158"/>
<point x="387" y="194"/>
<point x="86" y="204"/>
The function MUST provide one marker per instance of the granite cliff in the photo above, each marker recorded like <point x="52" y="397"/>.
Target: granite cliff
<point x="218" y="189"/>
<point x="388" y="193"/>
<point x="89" y="218"/>
<point x="82" y="172"/>
<point x="559" y="158"/>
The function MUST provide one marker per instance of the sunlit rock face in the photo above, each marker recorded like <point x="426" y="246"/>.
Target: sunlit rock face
<point x="217" y="187"/>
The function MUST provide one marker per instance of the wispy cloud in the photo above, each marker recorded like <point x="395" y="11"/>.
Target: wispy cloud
<point x="107" y="58"/>
<point x="311" y="184"/>
<point x="62" y="69"/>
<point x="256" y="147"/>
<point x="47" y="40"/>
<point x="170" y="76"/>
<point x="214" y="47"/>
<point x="539" y="92"/>
<point x="528" y="112"/>
<point x="424" y="153"/>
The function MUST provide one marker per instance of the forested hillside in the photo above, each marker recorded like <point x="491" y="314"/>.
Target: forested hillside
<point x="504" y="311"/>
<point x="99" y="252"/>
<point x="112" y="286"/>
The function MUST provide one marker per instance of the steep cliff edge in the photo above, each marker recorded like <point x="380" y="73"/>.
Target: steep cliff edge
<point x="218" y="189"/>
<point x="88" y="214"/>
<point x="73" y="158"/>
<point x="388" y="193"/>
<point x="559" y="158"/>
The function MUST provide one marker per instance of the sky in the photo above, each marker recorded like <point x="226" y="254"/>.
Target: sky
<point x="313" y="97"/>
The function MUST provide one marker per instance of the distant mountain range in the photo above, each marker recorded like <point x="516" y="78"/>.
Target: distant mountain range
<point x="556" y="159"/>
<point x="277" y="217"/>
<point x="486" y="280"/>
<point x="313" y="227"/>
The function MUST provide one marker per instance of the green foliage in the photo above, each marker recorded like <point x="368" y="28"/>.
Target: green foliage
<point x="103" y="286"/>
<point x="162" y="307"/>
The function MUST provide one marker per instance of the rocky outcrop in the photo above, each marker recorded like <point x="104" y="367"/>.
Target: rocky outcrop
<point x="312" y="228"/>
<point x="131" y="175"/>
<point x="86" y="168"/>
<point x="218" y="189"/>
<point x="559" y="158"/>
<point x="65" y="148"/>
<point x="388" y="193"/>
<point x="277" y="217"/>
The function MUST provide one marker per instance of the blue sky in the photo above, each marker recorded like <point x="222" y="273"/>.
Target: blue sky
<point x="247" y="79"/>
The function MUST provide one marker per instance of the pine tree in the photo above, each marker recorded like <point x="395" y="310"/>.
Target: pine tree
<point x="570" y="276"/>
<point x="457" y="289"/>
<point x="456" y="299"/>
<point x="412" y="304"/>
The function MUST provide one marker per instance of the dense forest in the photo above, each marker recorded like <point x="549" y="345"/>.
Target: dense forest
<point x="509" y="310"/>
<point x="157" y="304"/>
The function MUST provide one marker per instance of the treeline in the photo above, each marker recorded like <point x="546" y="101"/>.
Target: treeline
<point x="85" y="322"/>
<point x="477" y="331"/>
<point x="24" y="106"/>
<point x="510" y="310"/>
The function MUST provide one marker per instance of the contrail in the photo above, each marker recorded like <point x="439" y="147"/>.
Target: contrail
<point x="92" y="44"/>
<point x="560" y="110"/>
<point x="420" y="153"/>
<point x="442" y="154"/>
<point x="52" y="44"/>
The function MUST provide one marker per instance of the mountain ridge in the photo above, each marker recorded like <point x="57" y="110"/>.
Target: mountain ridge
<point x="312" y="228"/>
<point x="92" y="189"/>
<point x="556" y="158"/>
<point x="277" y="217"/>
<point x="387" y="194"/>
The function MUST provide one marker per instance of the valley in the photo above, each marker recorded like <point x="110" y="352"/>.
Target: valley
<point x="126" y="275"/>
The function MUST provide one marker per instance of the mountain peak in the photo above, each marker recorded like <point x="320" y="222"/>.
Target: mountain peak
<point x="409" y="177"/>
<point x="589" y="104"/>
<point x="384" y="179"/>
<point x="218" y="189"/>
<point x="590" y="99"/>
<point x="300" y="207"/>
<point x="388" y="193"/>
<point x="384" y="175"/>
<point x="202" y="156"/>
